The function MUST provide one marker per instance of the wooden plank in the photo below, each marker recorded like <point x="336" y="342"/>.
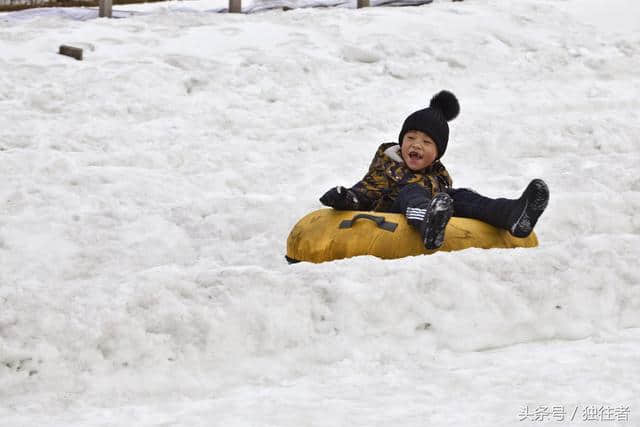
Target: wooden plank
<point x="74" y="52"/>
<point x="363" y="3"/>
<point x="235" y="6"/>
<point x="105" y="8"/>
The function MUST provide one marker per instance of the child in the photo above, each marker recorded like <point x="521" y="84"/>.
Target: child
<point x="409" y="178"/>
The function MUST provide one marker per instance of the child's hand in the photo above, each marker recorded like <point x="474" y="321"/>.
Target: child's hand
<point x="340" y="198"/>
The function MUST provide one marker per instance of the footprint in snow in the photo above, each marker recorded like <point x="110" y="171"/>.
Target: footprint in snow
<point x="357" y="54"/>
<point x="230" y="31"/>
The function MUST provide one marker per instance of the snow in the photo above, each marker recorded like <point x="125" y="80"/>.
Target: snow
<point x="148" y="190"/>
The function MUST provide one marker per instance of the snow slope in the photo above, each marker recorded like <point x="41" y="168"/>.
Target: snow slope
<point x="147" y="193"/>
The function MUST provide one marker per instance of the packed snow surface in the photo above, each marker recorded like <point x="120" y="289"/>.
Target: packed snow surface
<point x="147" y="192"/>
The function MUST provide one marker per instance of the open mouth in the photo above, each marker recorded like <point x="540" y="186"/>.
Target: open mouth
<point x="415" y="155"/>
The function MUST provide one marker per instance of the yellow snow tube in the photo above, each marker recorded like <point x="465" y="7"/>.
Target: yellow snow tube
<point x="329" y="234"/>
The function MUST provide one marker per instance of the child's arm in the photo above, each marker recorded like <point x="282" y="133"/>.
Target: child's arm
<point x="374" y="185"/>
<point x="365" y="193"/>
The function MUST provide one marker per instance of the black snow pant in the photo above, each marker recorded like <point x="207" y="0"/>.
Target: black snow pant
<point x="413" y="201"/>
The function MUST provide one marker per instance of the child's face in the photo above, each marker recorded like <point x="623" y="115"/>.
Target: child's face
<point x="418" y="150"/>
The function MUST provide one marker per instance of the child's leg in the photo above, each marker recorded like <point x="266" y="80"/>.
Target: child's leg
<point x="429" y="215"/>
<point x="519" y="216"/>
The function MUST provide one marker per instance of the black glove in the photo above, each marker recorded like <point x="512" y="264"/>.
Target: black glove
<point x="341" y="198"/>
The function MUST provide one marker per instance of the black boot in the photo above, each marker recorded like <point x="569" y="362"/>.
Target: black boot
<point x="528" y="208"/>
<point x="432" y="220"/>
<point x="428" y="215"/>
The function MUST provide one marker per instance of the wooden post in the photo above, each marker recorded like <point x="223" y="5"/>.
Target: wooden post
<point x="74" y="52"/>
<point x="363" y="3"/>
<point x="105" y="8"/>
<point x="235" y="6"/>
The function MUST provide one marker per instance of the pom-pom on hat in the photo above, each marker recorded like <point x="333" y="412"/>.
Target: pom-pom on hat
<point x="433" y="120"/>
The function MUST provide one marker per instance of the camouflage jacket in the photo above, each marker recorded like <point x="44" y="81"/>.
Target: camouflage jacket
<point x="388" y="174"/>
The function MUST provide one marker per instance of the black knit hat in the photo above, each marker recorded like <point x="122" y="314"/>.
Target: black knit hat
<point x="433" y="120"/>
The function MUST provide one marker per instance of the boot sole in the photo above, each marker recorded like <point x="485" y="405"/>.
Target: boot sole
<point x="537" y="198"/>
<point x="440" y="214"/>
